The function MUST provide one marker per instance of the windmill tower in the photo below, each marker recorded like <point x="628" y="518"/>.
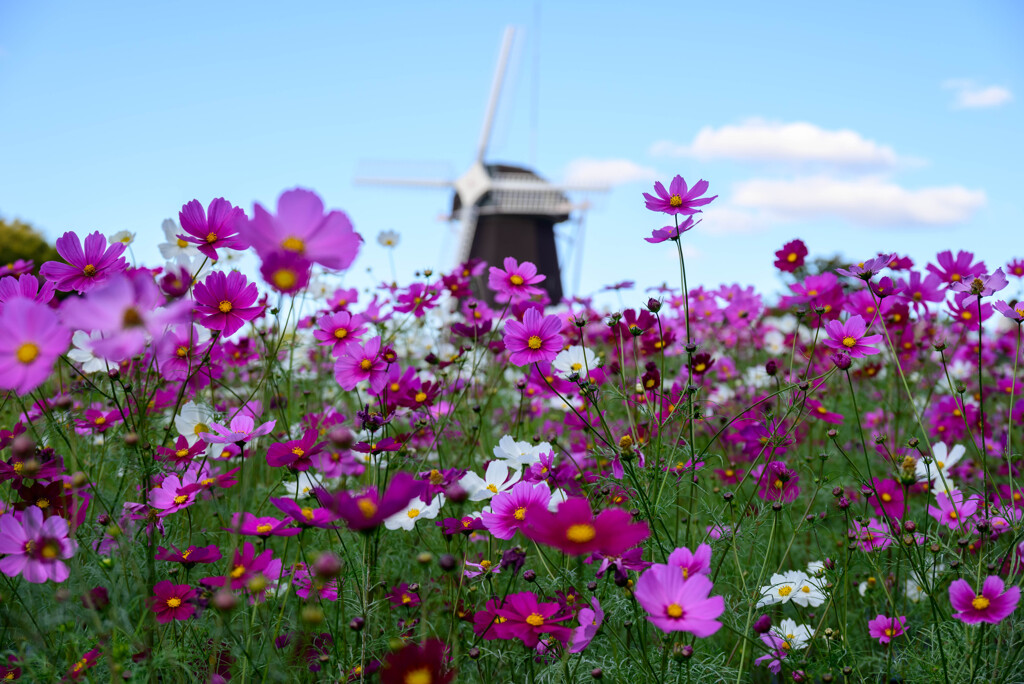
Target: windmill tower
<point x="507" y="210"/>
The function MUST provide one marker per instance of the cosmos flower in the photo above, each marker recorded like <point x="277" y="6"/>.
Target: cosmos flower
<point x="25" y="286"/>
<point x="850" y="338"/>
<point x="791" y="256"/>
<point x="31" y="339"/>
<point x="35" y="548"/>
<point x="678" y="199"/>
<point x="213" y="228"/>
<point x="953" y="509"/>
<point x="417" y="664"/>
<point x="513" y="509"/>
<point x="87" y="267"/>
<point x="388" y="238"/>
<point x="659" y="235"/>
<point x="691" y="563"/>
<point x="286" y="272"/>
<point x="416" y="509"/>
<point x="496" y="479"/>
<point x="537" y="339"/>
<point x="516" y="282"/>
<point x="590" y="621"/>
<point x="365" y="511"/>
<point x="527" y="619"/>
<point x="172" y="601"/>
<point x="359" y="363"/>
<point x="339" y="330"/>
<point x="982" y="285"/>
<point x="301" y="228"/>
<point x="575" y="360"/>
<point x="575" y="530"/>
<point x="885" y="628"/>
<point x="242" y="429"/>
<point x="519" y="454"/>
<point x="674" y="604"/>
<point x="297" y="454"/>
<point x="225" y="302"/>
<point x="992" y="604"/>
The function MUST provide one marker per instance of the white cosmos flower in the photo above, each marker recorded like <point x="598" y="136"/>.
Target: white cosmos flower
<point x="388" y="238"/>
<point x="304" y="485"/>
<point x="775" y="343"/>
<point x="781" y="588"/>
<point x="809" y="592"/>
<point x="415" y="510"/>
<point x="176" y="249"/>
<point x="123" y="236"/>
<point x="519" y="454"/>
<point x="495" y="480"/>
<point x="192" y="419"/>
<point x="796" y="636"/>
<point x="942" y="460"/>
<point x="82" y="352"/>
<point x="575" y="359"/>
<point x="557" y="497"/>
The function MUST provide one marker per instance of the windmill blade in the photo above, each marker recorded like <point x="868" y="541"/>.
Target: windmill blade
<point x="404" y="174"/>
<point x="468" y="216"/>
<point x="404" y="182"/>
<point x="492" y="103"/>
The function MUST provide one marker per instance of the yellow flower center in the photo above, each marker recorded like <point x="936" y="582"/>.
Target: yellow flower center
<point x="43" y="503"/>
<point x="535" y="619"/>
<point x="785" y="591"/>
<point x="406" y="598"/>
<point x="237" y="571"/>
<point x="27" y="352"/>
<point x="413" y="512"/>
<point x="534" y="342"/>
<point x="181" y="351"/>
<point x="520" y="513"/>
<point x="285" y="278"/>
<point x="367" y="507"/>
<point x="89" y="270"/>
<point x="211" y="238"/>
<point x="420" y="675"/>
<point x="173" y="602"/>
<point x="806" y="589"/>
<point x="889" y="631"/>
<point x="980" y="602"/>
<point x="307" y="513"/>
<point x="298" y="451"/>
<point x="180" y="499"/>
<point x="420" y="397"/>
<point x="50" y="552"/>
<point x="955" y="277"/>
<point x="674" y="610"/>
<point x="182" y="244"/>
<point x="516" y="280"/>
<point x="886" y="498"/>
<point x="675" y="201"/>
<point x="224" y="306"/>
<point x="849" y="342"/>
<point x="366" y="364"/>
<point x="791" y="257"/>
<point x="580" y="534"/>
<point x="340" y="334"/>
<point x="264" y="528"/>
<point x="100" y="420"/>
<point x="293" y="244"/>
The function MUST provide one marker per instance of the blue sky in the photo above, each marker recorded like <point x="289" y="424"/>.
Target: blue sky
<point x="879" y="126"/>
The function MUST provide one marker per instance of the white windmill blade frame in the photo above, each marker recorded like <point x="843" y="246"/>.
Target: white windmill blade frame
<point x="492" y="101"/>
<point x="468" y="216"/>
<point x="404" y="182"/>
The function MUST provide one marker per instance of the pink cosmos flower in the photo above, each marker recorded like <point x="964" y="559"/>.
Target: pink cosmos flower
<point x="516" y="282"/>
<point x="172" y="601"/>
<point x="302" y="228"/>
<point x="776" y="482"/>
<point x="590" y="621"/>
<point x="286" y="272"/>
<point x="304" y="515"/>
<point x="982" y="285"/>
<point x="1014" y="313"/>
<point x="31" y="339"/>
<point x="358" y="363"/>
<point x="367" y="510"/>
<point x="674" y="604"/>
<point x="168" y="497"/>
<point x="954" y="270"/>
<point x="991" y="605"/>
<point x="527" y="619"/>
<point x="691" y="562"/>
<point x="35" y="548"/>
<point x="213" y="228"/>
<point x="225" y="302"/>
<point x="243" y="429"/>
<point x="263" y="527"/>
<point x="849" y="337"/>
<point x="246" y="565"/>
<point x="872" y="535"/>
<point x="537" y="339"/>
<point x="297" y="454"/>
<point x="678" y="199"/>
<point x="659" y="235"/>
<point x="86" y="268"/>
<point x="885" y="628"/>
<point x="340" y="330"/>
<point x="791" y="256"/>
<point x="26" y="286"/>
<point x="778" y="649"/>
<point x="510" y="510"/>
<point x="890" y="497"/>
<point x="576" y="531"/>
<point x="953" y="509"/>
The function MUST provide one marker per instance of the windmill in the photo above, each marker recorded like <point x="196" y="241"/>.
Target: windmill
<point x="508" y="210"/>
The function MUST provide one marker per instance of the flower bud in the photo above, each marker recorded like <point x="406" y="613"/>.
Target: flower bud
<point x="224" y="600"/>
<point x="762" y="625"/>
<point x="327" y="565"/>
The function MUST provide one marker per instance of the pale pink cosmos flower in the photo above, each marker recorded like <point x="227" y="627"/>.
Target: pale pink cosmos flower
<point x="31" y="339"/>
<point x="885" y="628"/>
<point x="516" y="282"/>
<point x="675" y="604"/>
<point x="35" y="548"/>
<point x="243" y="429"/>
<point x="358" y="363"/>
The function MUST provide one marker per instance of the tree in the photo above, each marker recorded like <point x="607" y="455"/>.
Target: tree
<point x="19" y="240"/>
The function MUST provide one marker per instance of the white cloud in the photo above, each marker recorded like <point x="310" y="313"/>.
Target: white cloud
<point x="970" y="95"/>
<point x="606" y="172"/>
<point x="864" y="201"/>
<point x="759" y="140"/>
<point x="729" y="220"/>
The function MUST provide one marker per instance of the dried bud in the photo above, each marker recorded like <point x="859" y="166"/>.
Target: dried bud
<point x="131" y="439"/>
<point x="473" y="653"/>
<point x="597" y="673"/>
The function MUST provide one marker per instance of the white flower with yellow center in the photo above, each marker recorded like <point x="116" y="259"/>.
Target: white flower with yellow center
<point x="176" y="249"/>
<point x="415" y="510"/>
<point x="574" y="360"/>
<point x="519" y="454"/>
<point x="809" y="592"/>
<point x="81" y="352"/>
<point x="937" y="472"/>
<point x="125" y="237"/>
<point x="388" y="238"/>
<point x="192" y="419"/>
<point x="795" y="636"/>
<point x="781" y="588"/>
<point x="495" y="480"/>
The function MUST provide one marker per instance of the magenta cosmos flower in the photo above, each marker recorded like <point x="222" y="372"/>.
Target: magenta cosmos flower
<point x="302" y="228"/>
<point x="691" y="562"/>
<point x="25" y="286"/>
<point x="523" y="617"/>
<point x="791" y="256"/>
<point x="358" y="363"/>
<point x="678" y="199"/>
<point x="35" y="548"/>
<point x="86" y="268"/>
<point x="246" y="565"/>
<point x="242" y="429"/>
<point x="31" y="339"/>
<point x="576" y="531"/>
<point x="537" y="339"/>
<point x="286" y="272"/>
<point x="849" y="337"/>
<point x="339" y="330"/>
<point x="510" y="511"/>
<point x="212" y="228"/>
<point x="670" y="232"/>
<point x="225" y="301"/>
<point x="365" y="511"/>
<point x="516" y="282"/>
<point x="991" y="605"/>
<point x="172" y="601"/>
<point x="674" y="604"/>
<point x="297" y="454"/>
<point x="885" y="628"/>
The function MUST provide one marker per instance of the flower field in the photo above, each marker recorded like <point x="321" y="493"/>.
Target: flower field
<point x="211" y="476"/>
